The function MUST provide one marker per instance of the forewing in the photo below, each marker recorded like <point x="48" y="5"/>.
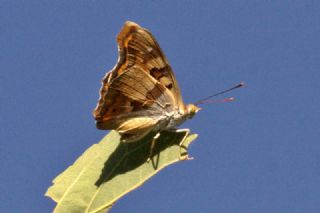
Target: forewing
<point x="138" y="47"/>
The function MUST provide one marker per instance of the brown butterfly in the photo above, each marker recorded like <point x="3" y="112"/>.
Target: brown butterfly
<point x="140" y="94"/>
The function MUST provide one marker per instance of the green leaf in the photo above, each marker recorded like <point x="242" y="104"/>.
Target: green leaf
<point x="110" y="169"/>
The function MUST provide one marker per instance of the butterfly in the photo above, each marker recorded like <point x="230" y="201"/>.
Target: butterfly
<point x="140" y="94"/>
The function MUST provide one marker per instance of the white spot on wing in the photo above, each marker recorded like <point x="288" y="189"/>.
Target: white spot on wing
<point x="149" y="49"/>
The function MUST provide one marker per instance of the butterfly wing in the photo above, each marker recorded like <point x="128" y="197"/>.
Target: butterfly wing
<point x="137" y="46"/>
<point x="141" y="85"/>
<point x="132" y="94"/>
<point x="134" y="103"/>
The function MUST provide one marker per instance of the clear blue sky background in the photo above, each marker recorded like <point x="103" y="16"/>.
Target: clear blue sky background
<point x="260" y="153"/>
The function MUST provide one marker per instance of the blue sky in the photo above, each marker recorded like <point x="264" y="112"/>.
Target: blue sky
<point x="257" y="154"/>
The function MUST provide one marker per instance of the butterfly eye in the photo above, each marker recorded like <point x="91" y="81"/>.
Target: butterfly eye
<point x="192" y="110"/>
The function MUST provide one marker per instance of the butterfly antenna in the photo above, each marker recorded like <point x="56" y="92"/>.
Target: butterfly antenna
<point x="206" y="100"/>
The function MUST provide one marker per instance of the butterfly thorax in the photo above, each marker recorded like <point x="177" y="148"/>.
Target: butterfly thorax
<point x="178" y="117"/>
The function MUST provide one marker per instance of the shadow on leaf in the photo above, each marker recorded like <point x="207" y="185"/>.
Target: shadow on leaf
<point x="129" y="156"/>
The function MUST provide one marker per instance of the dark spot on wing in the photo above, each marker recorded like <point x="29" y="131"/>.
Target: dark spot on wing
<point x="156" y="73"/>
<point x="169" y="86"/>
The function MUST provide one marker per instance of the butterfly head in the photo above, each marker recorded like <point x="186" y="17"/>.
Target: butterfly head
<point x="191" y="110"/>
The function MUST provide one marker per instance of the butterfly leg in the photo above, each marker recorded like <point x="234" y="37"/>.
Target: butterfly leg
<point x="186" y="131"/>
<point x="153" y="142"/>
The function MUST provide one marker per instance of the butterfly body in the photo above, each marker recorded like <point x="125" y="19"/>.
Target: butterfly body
<point x="140" y="94"/>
